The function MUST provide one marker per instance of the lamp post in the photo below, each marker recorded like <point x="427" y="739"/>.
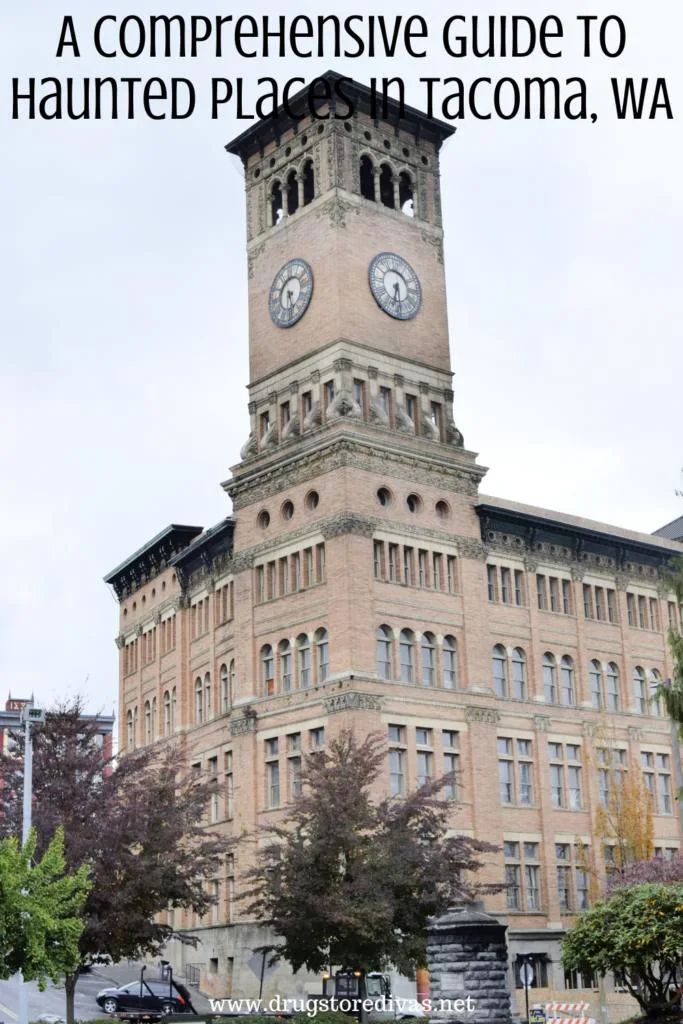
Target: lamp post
<point x="29" y="716"/>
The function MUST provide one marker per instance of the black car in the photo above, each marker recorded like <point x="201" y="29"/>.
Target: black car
<point x="143" y="996"/>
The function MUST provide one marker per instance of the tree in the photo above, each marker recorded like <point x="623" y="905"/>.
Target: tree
<point x="638" y="935"/>
<point x="40" y="910"/>
<point x="346" y="881"/>
<point x="625" y="822"/>
<point x="671" y="692"/>
<point x="657" y="869"/>
<point x="141" y="829"/>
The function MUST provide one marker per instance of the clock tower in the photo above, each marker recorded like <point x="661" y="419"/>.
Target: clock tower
<point x="351" y="406"/>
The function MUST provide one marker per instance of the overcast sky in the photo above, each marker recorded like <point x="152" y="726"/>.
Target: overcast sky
<point x="123" y="320"/>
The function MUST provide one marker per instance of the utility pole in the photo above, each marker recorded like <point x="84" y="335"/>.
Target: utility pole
<point x="29" y="716"/>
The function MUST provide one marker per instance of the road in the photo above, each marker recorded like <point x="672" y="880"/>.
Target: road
<point x="53" y="999"/>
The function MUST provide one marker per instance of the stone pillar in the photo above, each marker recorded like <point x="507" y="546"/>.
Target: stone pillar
<point x="467" y="958"/>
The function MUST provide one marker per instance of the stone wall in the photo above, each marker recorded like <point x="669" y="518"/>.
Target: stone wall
<point x="468" y="967"/>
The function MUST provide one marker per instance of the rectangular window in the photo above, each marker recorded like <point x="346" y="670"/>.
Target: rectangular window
<point x="437" y="571"/>
<point x="554" y="586"/>
<point x="423" y="569"/>
<point x="397" y="778"/>
<point x="284" y="575"/>
<point x="425" y="767"/>
<point x="566" y="597"/>
<point x="316" y="738"/>
<point x="505" y="586"/>
<point x="393" y="563"/>
<point x="587" y="602"/>
<point x="271" y="581"/>
<point x="309" y="574"/>
<point x="519" y="587"/>
<point x="541" y="593"/>
<point x="491" y="581"/>
<point x="411" y="408"/>
<point x="378" y="555"/>
<point x="384" y="397"/>
<point x="451" y="762"/>
<point x="229" y="785"/>
<point x="673" y="615"/>
<point x="654" y="614"/>
<point x="513" y="873"/>
<point x="435" y="409"/>
<point x="359" y="395"/>
<point x="320" y="554"/>
<point x="294" y="772"/>
<point x="397" y="734"/>
<point x="264" y="424"/>
<point x="631" y="609"/>
<point x="642" y="613"/>
<point x="260" y="584"/>
<point x="611" y="606"/>
<point x="408" y="572"/>
<point x="306" y="403"/>
<point x="273" y="784"/>
<point x="329" y="392"/>
<point x="450" y="574"/>
<point x="285" y="415"/>
<point x="296" y="572"/>
<point x="599" y="604"/>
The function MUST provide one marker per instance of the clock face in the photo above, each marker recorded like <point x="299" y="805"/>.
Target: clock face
<point x="395" y="286"/>
<point x="290" y="293"/>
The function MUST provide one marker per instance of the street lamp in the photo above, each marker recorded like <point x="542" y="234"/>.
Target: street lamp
<point x="29" y="716"/>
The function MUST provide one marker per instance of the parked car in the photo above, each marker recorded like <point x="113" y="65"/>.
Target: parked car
<point x="145" y="996"/>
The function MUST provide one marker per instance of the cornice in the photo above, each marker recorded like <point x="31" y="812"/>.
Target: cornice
<point x="370" y="454"/>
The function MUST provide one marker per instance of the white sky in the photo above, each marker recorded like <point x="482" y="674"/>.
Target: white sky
<point x="123" y="314"/>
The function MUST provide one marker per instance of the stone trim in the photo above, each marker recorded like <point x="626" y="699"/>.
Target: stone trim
<point x="352" y="699"/>
<point x="487" y="716"/>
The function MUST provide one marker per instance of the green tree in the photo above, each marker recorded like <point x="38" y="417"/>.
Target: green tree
<point x="637" y="934"/>
<point x="140" y="825"/>
<point x="671" y="692"/>
<point x="351" y="882"/>
<point x="40" y="910"/>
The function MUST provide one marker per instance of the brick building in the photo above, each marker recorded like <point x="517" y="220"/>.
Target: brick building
<point x="363" y="580"/>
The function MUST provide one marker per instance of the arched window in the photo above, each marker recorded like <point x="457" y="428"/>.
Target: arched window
<point x="154" y="719"/>
<point x="285" y="662"/>
<point x="208" y="697"/>
<point x="167" y="713"/>
<point x="173" y="709"/>
<point x="567" y="695"/>
<point x="612" y="683"/>
<point x="303" y="647"/>
<point x="655" y="701"/>
<point x="129" y="730"/>
<point x="640" y="690"/>
<point x="148" y="723"/>
<point x="407" y="655"/>
<point x="309" y="183"/>
<point x="406" y="197"/>
<point x="386" y="186"/>
<point x="198" y="701"/>
<point x="500" y="673"/>
<point x="231" y="682"/>
<point x="323" y="655"/>
<point x="276" y="204"/>
<point x="518" y="674"/>
<point x="292" y="192"/>
<point x="449" y="663"/>
<point x="367" y="178"/>
<point x="595" y="680"/>
<point x="225" y="689"/>
<point x="267" y="670"/>
<point x="428" y="659"/>
<point x="384" y="653"/>
<point x="549" y="678"/>
<point x="135" y="727"/>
